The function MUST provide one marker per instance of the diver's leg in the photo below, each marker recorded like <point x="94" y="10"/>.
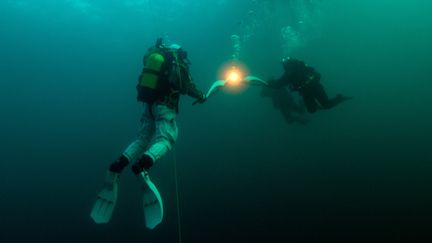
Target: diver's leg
<point x="137" y="147"/>
<point x="309" y="101"/>
<point x="163" y="140"/>
<point x="107" y="198"/>
<point x="323" y="99"/>
<point x="322" y="96"/>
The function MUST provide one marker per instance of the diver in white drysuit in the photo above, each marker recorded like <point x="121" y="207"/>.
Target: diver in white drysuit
<point x="164" y="78"/>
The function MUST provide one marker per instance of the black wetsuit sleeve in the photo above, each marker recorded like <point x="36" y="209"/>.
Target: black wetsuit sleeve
<point x="189" y="87"/>
<point x="193" y="91"/>
<point x="283" y="81"/>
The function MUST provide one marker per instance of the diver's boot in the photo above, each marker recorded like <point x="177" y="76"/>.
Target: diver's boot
<point x="119" y="164"/>
<point x="143" y="164"/>
<point x="106" y="200"/>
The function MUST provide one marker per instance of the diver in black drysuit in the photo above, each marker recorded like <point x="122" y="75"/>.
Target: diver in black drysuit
<point x="284" y="101"/>
<point x="306" y="80"/>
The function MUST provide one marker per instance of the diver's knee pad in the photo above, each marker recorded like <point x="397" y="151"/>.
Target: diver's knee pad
<point x="119" y="164"/>
<point x="144" y="163"/>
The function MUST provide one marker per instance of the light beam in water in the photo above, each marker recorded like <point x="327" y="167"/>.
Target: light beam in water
<point x="234" y="76"/>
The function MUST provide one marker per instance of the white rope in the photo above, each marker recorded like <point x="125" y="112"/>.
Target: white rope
<point x="177" y="197"/>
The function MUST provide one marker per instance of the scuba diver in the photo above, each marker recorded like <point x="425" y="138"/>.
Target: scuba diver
<point x="306" y="80"/>
<point x="284" y="101"/>
<point x="164" y="78"/>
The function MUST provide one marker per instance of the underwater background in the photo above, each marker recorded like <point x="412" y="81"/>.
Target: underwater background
<point x="360" y="172"/>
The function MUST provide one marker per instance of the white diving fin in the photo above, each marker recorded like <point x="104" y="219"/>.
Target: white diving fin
<point x="152" y="201"/>
<point x="106" y="200"/>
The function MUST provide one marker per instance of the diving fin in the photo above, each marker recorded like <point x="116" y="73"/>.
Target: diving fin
<point x="341" y="98"/>
<point x="106" y="200"/>
<point x="152" y="201"/>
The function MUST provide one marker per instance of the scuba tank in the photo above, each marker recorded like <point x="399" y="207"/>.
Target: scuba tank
<point x="154" y="71"/>
<point x="165" y="70"/>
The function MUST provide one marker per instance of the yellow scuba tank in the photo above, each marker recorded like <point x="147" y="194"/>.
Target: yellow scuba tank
<point x="152" y="73"/>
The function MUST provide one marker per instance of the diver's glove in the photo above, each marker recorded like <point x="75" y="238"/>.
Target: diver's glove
<point x="200" y="100"/>
<point x="271" y="83"/>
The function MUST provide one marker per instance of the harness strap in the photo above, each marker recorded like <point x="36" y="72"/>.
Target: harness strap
<point x="151" y="71"/>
